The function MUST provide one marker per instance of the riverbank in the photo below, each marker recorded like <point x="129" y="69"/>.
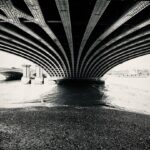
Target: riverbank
<point x="131" y="94"/>
<point x="122" y="93"/>
<point x="63" y="128"/>
<point x="74" y="118"/>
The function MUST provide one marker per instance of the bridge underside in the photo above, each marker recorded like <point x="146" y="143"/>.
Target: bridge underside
<point x="75" y="39"/>
<point x="11" y="75"/>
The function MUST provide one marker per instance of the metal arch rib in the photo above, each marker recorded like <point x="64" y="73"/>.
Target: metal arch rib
<point x="34" y="50"/>
<point x="119" y="51"/>
<point x="27" y="56"/>
<point x="132" y="30"/>
<point x="6" y="45"/>
<point x="138" y="7"/>
<point x="27" y="30"/>
<point x="127" y="41"/>
<point x="36" y="11"/>
<point x="10" y="50"/>
<point x="15" y="21"/>
<point x="99" y="9"/>
<point x="45" y="43"/>
<point x="30" y="42"/>
<point x="64" y="12"/>
<point x="28" y="47"/>
<point x="129" y="58"/>
<point x="101" y="58"/>
<point x="9" y="46"/>
<point x="144" y="46"/>
<point x="124" y="59"/>
<point x="124" y="34"/>
<point x="110" y="66"/>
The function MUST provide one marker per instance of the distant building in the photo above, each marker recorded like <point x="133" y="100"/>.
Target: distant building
<point x="130" y="73"/>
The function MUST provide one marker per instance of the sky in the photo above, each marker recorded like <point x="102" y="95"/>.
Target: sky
<point x="9" y="60"/>
<point x="142" y="62"/>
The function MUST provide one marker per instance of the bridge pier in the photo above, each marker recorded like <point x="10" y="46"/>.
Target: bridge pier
<point x="26" y="74"/>
<point x="80" y="81"/>
<point x="39" y="79"/>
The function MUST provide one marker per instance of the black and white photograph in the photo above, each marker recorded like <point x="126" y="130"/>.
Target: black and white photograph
<point x="74" y="74"/>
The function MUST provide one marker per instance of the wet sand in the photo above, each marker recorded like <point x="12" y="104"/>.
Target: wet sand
<point x="71" y="128"/>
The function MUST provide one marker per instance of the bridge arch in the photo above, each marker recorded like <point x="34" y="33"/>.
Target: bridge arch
<point x="120" y="60"/>
<point x="71" y="43"/>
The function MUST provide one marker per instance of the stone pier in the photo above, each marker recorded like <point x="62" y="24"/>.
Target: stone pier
<point x="39" y="79"/>
<point x="26" y="79"/>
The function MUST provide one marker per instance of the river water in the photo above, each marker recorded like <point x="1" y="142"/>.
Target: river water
<point x="131" y="94"/>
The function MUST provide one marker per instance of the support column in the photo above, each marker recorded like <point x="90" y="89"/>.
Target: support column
<point x="39" y="79"/>
<point x="26" y="74"/>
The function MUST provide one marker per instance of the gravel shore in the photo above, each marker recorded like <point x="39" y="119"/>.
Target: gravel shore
<point x="73" y="128"/>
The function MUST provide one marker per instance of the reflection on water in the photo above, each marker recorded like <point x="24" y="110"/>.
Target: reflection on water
<point x="124" y="93"/>
<point x="82" y="95"/>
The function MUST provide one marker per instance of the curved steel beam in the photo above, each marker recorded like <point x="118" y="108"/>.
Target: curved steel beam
<point x="121" y="55"/>
<point x="37" y="13"/>
<point x="90" y="62"/>
<point x="30" y="42"/>
<point x="121" y="52"/>
<point x="135" y="55"/>
<point x="29" y="53"/>
<point x="121" y="61"/>
<point x="109" y="53"/>
<point x="35" y="9"/>
<point x="13" y="16"/>
<point x="45" y="43"/>
<point x="99" y="9"/>
<point x="138" y="7"/>
<point x="28" y="47"/>
<point x="64" y="12"/>
<point x="124" y="34"/>
<point x="24" y="55"/>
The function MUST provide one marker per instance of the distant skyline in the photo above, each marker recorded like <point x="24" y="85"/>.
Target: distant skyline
<point x="9" y="60"/>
